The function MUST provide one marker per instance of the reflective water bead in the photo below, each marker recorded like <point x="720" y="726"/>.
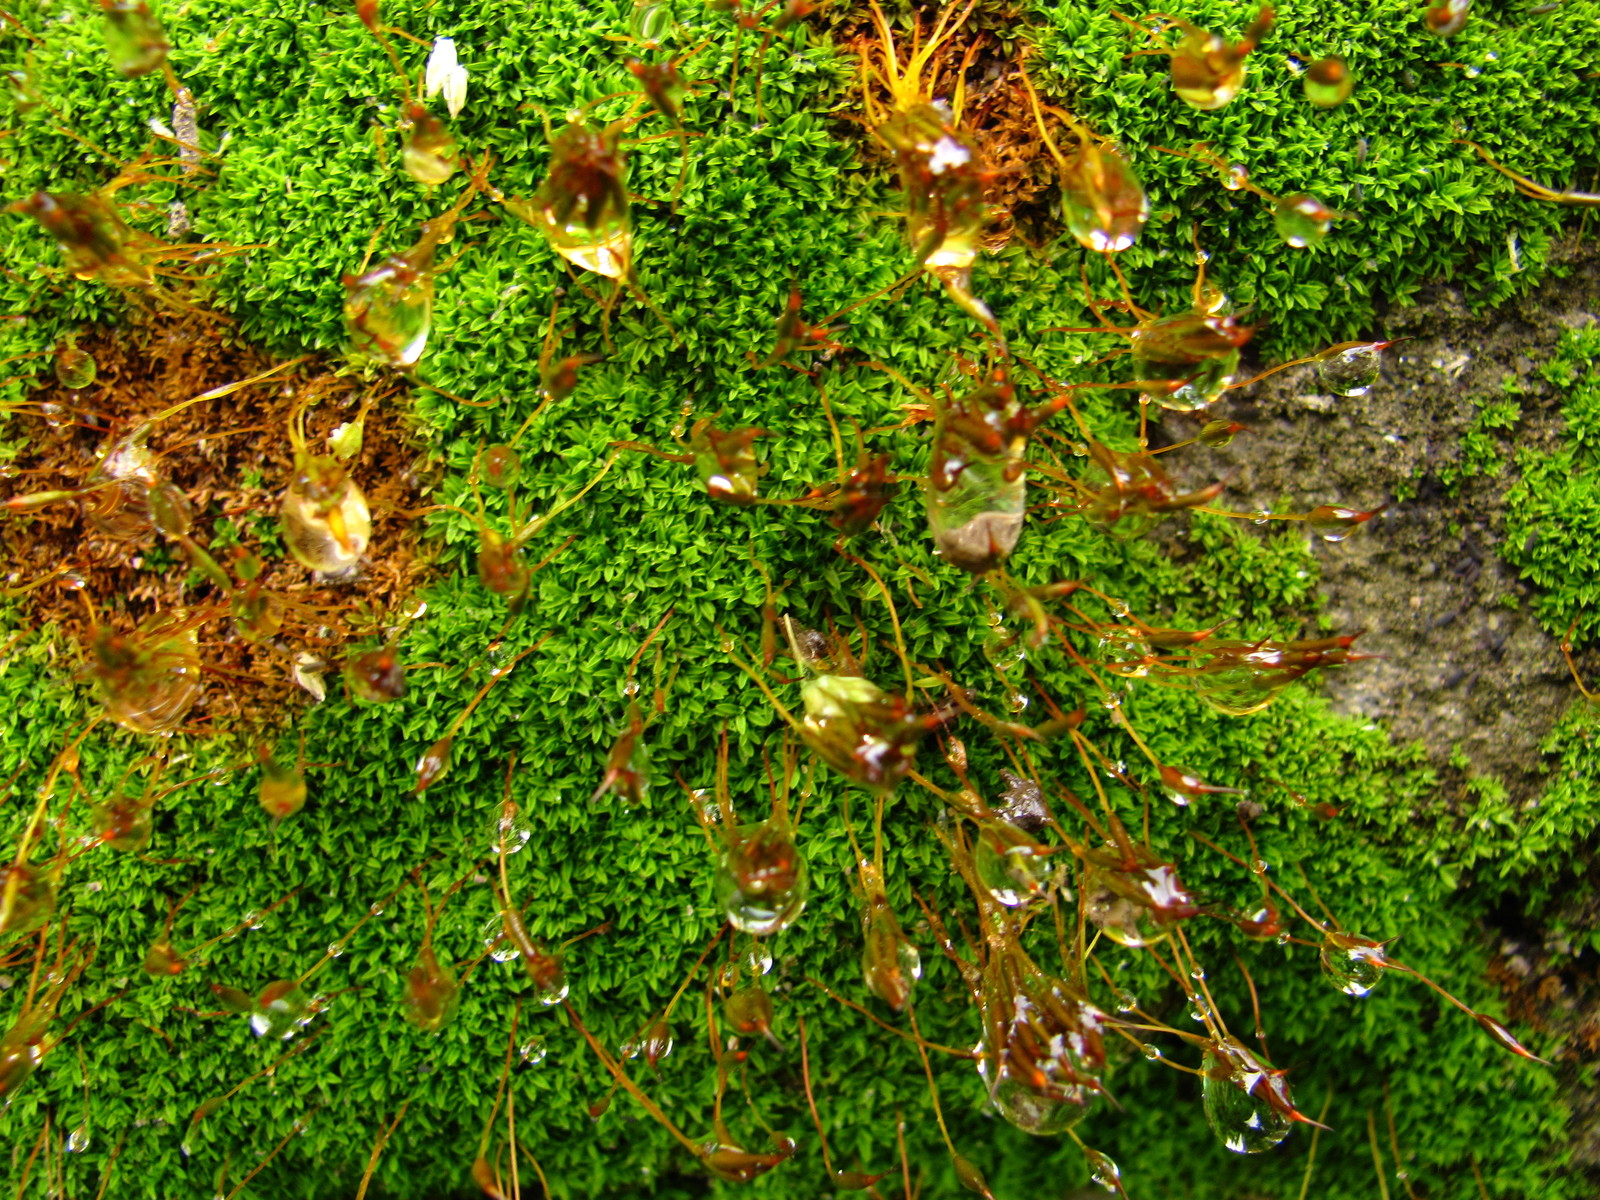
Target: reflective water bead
<point x="1328" y="82"/>
<point x="493" y="936"/>
<point x="533" y="1051"/>
<point x="1004" y="650"/>
<point x="758" y="959"/>
<point x="1354" y="963"/>
<point x="1015" y="868"/>
<point x="554" y="994"/>
<point x="1101" y="199"/>
<point x="1333" y="523"/>
<point x="1302" y="220"/>
<point x="1103" y="1170"/>
<point x="1219" y="433"/>
<point x="509" y="831"/>
<point x="761" y="879"/>
<point x="1446" y="18"/>
<point x="1244" y="1099"/>
<point x="74" y="368"/>
<point x="1351" y="371"/>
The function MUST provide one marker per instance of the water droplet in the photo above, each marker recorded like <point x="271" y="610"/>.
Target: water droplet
<point x="1152" y="1052"/>
<point x="1261" y="517"/>
<point x="630" y="688"/>
<point x="1009" y="863"/>
<point x="335" y="949"/>
<point x="510" y="830"/>
<point x="252" y="920"/>
<point x="1197" y="1012"/>
<point x="1016" y="702"/>
<point x="375" y="909"/>
<point x="1302" y="220"/>
<point x="1259" y="866"/>
<point x="1112" y="701"/>
<point x="1355" y="964"/>
<point x="493" y="936"/>
<point x="1333" y="523"/>
<point x="1245" y="1101"/>
<point x="726" y="645"/>
<point x="1104" y="1171"/>
<point x="762" y="880"/>
<point x="1351" y="372"/>
<point x="706" y="803"/>
<point x="728" y="975"/>
<point x="1198" y="973"/>
<point x="78" y="1140"/>
<point x="758" y="959"/>
<point x="554" y="995"/>
<point x="1004" y="650"/>
<point x="185" y="1149"/>
<point x="1234" y="180"/>
<point x="533" y="1051"/>
<point x="1126" y="1001"/>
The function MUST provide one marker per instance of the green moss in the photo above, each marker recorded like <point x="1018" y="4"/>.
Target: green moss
<point x="1421" y="205"/>
<point x="1482" y="445"/>
<point x="293" y="85"/>
<point x="1553" y="511"/>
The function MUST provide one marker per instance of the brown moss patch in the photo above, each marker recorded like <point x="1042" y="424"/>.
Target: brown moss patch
<point x="232" y="458"/>
<point x="987" y="59"/>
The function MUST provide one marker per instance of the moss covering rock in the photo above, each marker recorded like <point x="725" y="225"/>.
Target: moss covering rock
<point x="298" y="105"/>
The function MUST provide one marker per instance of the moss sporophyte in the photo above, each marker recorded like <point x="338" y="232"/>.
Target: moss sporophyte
<point x="1010" y="800"/>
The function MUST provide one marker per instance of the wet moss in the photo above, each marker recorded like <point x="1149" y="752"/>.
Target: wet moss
<point x="289" y="94"/>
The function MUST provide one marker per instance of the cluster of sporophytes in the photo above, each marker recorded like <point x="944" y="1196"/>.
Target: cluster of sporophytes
<point x="867" y="832"/>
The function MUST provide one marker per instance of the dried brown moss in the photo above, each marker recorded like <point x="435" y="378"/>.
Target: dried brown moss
<point x="231" y="457"/>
